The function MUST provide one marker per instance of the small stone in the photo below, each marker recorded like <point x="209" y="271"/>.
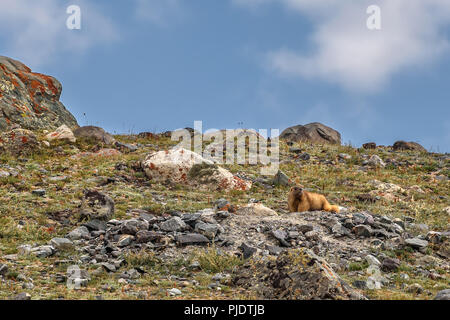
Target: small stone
<point x="43" y="251"/>
<point x="274" y="250"/>
<point x="174" y="292"/>
<point x="133" y="226"/>
<point x="79" y="233"/>
<point x="280" y="235"/>
<point x="207" y="229"/>
<point x="192" y="239"/>
<point x="247" y="251"/>
<point x="362" y="231"/>
<point x="108" y="267"/>
<point x="281" y="179"/>
<point x="416" y="243"/>
<point x="95" y="225"/>
<point x="305" y="228"/>
<point x="372" y="261"/>
<point x="376" y="161"/>
<point x="173" y="224"/>
<point x="125" y="240"/>
<point x="61" y="244"/>
<point x="39" y="193"/>
<point x="390" y="265"/>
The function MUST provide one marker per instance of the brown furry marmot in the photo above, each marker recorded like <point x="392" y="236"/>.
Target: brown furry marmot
<point x="301" y="201"/>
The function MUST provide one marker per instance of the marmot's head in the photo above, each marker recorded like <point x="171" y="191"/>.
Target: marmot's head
<point x="297" y="191"/>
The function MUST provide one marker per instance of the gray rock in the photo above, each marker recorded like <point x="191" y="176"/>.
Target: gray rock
<point x="281" y="236"/>
<point x="94" y="134"/>
<point x="95" y="225"/>
<point x="207" y="229"/>
<point x="247" y="251"/>
<point x="443" y="295"/>
<point x="125" y="240"/>
<point x="173" y="224"/>
<point x="362" y="231"/>
<point x="312" y="132"/>
<point x="376" y="161"/>
<point x="145" y="236"/>
<point x="61" y="244"/>
<point x="416" y="243"/>
<point x="79" y="233"/>
<point x="192" y="239"/>
<point x="133" y="226"/>
<point x="372" y="261"/>
<point x="108" y="267"/>
<point x="274" y="250"/>
<point x="125" y="147"/>
<point x="281" y="179"/>
<point x="174" y="292"/>
<point x="39" y="192"/>
<point x="43" y="251"/>
<point x="390" y="265"/>
<point x="305" y="228"/>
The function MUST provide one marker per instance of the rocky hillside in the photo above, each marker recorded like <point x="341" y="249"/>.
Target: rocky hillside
<point x="84" y="215"/>
<point x="30" y="100"/>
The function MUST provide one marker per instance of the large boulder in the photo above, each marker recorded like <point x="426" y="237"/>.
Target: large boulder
<point x="183" y="166"/>
<point x="30" y="100"/>
<point x="403" y="145"/>
<point x="297" y="274"/>
<point x="96" y="134"/>
<point x="62" y="133"/>
<point x="313" y="132"/>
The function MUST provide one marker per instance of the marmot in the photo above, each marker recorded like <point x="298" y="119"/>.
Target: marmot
<point x="301" y="201"/>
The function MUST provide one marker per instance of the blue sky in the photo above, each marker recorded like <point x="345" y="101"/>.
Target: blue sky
<point x="154" y="65"/>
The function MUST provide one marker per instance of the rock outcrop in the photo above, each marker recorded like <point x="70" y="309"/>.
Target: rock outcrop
<point x="95" y="134"/>
<point x="30" y="100"/>
<point x="314" y="132"/>
<point x="403" y="145"/>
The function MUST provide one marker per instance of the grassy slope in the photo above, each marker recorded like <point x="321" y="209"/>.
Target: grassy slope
<point x="340" y="182"/>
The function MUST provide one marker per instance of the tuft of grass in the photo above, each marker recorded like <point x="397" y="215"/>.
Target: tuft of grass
<point x="213" y="261"/>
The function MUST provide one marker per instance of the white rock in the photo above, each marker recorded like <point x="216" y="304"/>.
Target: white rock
<point x="256" y="209"/>
<point x="62" y="133"/>
<point x="175" y="164"/>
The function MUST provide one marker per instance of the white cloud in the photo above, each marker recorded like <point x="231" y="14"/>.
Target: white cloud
<point x="347" y="53"/>
<point x="159" y="12"/>
<point x="35" y="31"/>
